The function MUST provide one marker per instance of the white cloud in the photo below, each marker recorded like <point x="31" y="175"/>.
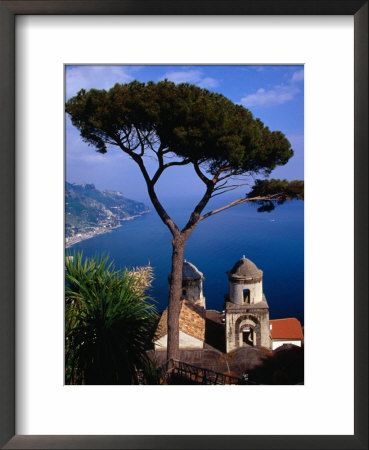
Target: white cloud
<point x="98" y="77"/>
<point x="297" y="76"/>
<point x="277" y="96"/>
<point x="208" y="82"/>
<point x="191" y="76"/>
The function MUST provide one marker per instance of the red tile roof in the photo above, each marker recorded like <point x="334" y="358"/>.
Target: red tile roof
<point x="286" y="329"/>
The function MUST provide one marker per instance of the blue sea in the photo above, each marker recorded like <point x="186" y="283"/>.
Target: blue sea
<point x="273" y="241"/>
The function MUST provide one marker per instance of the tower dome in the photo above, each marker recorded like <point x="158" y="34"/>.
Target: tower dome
<point x="190" y="272"/>
<point x="192" y="280"/>
<point x="245" y="270"/>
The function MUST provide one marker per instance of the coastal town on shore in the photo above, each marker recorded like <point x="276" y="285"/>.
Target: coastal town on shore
<point x="97" y="230"/>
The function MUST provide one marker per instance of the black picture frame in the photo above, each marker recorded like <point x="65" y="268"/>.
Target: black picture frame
<point x="8" y="11"/>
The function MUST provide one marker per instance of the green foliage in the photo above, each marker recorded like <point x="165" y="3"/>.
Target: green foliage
<point x="281" y="188"/>
<point x="278" y="192"/>
<point x="108" y="321"/>
<point x="150" y="372"/>
<point x="192" y="123"/>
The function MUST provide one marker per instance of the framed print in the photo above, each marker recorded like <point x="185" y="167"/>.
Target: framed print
<point x="43" y="41"/>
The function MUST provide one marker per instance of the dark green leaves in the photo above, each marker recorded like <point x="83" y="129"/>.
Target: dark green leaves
<point x="282" y="189"/>
<point x="184" y="119"/>
<point x="108" y="322"/>
<point x="275" y="191"/>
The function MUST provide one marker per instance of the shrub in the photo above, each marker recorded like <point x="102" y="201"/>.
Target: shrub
<point x="108" y="321"/>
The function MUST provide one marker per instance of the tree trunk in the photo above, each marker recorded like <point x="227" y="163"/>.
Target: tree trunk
<point x="174" y="302"/>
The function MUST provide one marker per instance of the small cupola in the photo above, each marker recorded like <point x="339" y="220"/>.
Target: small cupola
<point x="245" y="283"/>
<point x="192" y="280"/>
<point x="190" y="272"/>
<point x="245" y="270"/>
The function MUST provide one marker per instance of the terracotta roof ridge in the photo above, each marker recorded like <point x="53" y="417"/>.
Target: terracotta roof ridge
<point x="285" y="318"/>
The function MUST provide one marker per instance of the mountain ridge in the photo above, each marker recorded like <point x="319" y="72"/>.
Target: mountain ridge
<point x="89" y="211"/>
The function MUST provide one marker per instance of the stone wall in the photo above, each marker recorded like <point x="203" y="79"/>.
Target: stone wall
<point x="185" y="341"/>
<point x="278" y="343"/>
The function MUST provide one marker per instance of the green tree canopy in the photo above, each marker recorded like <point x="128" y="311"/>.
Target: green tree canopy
<point x="197" y="125"/>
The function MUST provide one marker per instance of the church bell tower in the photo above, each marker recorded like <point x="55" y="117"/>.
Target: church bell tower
<point x="247" y="311"/>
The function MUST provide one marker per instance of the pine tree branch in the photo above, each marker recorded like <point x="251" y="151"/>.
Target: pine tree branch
<point x="238" y="202"/>
<point x="163" y="167"/>
<point x="164" y="216"/>
<point x="202" y="177"/>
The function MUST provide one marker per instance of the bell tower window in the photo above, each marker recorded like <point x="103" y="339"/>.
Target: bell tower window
<point x="248" y="336"/>
<point x="246" y="295"/>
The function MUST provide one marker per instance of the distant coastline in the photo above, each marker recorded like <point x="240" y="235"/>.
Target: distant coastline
<point x="96" y="231"/>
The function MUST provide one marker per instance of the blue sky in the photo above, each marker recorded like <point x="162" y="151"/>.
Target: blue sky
<point x="275" y="94"/>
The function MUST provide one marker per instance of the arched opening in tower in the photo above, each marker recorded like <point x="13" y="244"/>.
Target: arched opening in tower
<point x="248" y="336"/>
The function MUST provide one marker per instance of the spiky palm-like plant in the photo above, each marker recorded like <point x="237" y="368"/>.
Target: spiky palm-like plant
<point x="108" y="321"/>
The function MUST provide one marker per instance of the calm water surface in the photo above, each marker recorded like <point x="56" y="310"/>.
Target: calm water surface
<point x="273" y="241"/>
